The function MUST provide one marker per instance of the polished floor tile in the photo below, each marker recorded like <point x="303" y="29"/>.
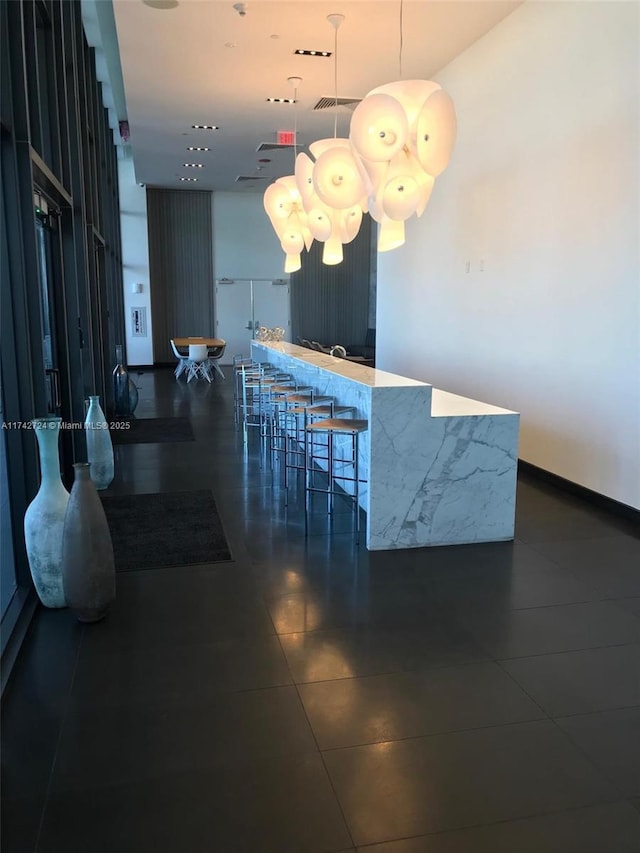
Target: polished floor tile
<point x="311" y="687"/>
<point x="188" y="605"/>
<point x="113" y="746"/>
<point x="368" y="650"/>
<point x="609" y="565"/>
<point x="283" y="805"/>
<point x="562" y="524"/>
<point x="400" y="705"/>
<point x="595" y="829"/>
<point x="121" y="675"/>
<point x="541" y="630"/>
<point x="611" y="739"/>
<point x="580" y="682"/>
<point x="402" y="788"/>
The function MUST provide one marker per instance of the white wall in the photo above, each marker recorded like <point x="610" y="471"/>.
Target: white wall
<point x="543" y="189"/>
<point x="135" y="259"/>
<point x="244" y="243"/>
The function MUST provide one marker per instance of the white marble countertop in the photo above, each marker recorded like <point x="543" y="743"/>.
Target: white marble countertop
<point x="361" y="373"/>
<point x="445" y="405"/>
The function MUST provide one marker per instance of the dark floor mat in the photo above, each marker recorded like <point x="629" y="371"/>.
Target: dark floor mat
<point x="165" y="529"/>
<point x="153" y="431"/>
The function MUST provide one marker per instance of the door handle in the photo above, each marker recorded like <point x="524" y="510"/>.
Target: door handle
<point x="249" y="326"/>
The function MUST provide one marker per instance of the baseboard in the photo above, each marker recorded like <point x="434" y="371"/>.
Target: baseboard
<point x="594" y="498"/>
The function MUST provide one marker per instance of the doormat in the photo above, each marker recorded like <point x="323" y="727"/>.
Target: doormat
<point x="162" y="529"/>
<point x="153" y="431"/>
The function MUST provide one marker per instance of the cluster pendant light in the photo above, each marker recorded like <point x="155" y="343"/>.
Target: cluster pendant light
<point x="284" y="207"/>
<point x="401" y="138"/>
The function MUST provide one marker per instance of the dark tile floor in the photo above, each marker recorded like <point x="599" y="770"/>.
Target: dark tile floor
<point x="310" y="696"/>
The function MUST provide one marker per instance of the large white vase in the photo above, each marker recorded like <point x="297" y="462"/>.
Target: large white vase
<point x="99" y="446"/>
<point x="44" y="518"/>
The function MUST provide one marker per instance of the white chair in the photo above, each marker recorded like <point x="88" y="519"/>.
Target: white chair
<point x="214" y="358"/>
<point x="183" y="360"/>
<point x="198" y="365"/>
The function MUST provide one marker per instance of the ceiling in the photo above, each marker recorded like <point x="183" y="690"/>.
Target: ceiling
<point x="201" y="62"/>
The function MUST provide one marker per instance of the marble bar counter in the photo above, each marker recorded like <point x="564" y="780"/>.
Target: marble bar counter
<point x="440" y="468"/>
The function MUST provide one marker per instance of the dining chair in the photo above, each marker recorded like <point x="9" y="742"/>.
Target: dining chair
<point x="183" y="360"/>
<point x="198" y="362"/>
<point x="214" y="358"/>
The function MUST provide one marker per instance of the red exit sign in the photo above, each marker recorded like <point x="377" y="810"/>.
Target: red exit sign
<point x="286" y="137"/>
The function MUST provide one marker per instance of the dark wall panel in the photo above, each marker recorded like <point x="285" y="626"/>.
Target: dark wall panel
<point x="180" y="266"/>
<point x="330" y="304"/>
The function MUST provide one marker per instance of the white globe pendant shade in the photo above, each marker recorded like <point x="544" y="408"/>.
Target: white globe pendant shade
<point x="401" y="197"/>
<point x="318" y="147"/>
<point x="336" y="178"/>
<point x="410" y="93"/>
<point x="319" y="223"/>
<point x="436" y="129"/>
<point x="292" y="241"/>
<point x="304" y="177"/>
<point x="289" y="183"/>
<point x="332" y="252"/>
<point x="292" y="263"/>
<point x="277" y="201"/>
<point x="390" y="235"/>
<point x="405" y="180"/>
<point x="347" y="223"/>
<point x="379" y="127"/>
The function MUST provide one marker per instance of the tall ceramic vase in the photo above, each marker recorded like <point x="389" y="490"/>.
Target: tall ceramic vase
<point x="99" y="446"/>
<point x="125" y="393"/>
<point x="88" y="570"/>
<point x="44" y="518"/>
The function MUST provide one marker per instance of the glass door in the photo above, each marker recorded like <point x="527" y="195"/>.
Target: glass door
<point x="243" y="305"/>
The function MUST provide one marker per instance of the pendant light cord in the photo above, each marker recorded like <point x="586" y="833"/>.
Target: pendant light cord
<point x="295" y="125"/>
<point x="401" y="37"/>
<point x="335" y="83"/>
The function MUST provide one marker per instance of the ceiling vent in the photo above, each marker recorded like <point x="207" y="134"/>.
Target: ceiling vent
<point x="327" y="103"/>
<point x="241" y="178"/>
<point x="274" y="146"/>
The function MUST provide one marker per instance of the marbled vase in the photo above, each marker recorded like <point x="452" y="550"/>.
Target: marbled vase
<point x="99" y="446"/>
<point x="44" y="518"/>
<point x="88" y="569"/>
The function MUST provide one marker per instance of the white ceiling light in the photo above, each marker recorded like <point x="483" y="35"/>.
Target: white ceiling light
<point x="284" y="207"/>
<point x="404" y="134"/>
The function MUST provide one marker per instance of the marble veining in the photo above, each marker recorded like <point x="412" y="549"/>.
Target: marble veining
<point x="440" y="468"/>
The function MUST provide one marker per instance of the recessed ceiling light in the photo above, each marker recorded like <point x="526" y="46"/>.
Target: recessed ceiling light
<point x="280" y="100"/>
<point x="194" y="165"/>
<point x="321" y="53"/>
<point x="197" y="148"/>
<point x="205" y="127"/>
<point x="188" y="179"/>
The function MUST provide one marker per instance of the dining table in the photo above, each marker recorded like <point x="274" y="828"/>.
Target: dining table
<point x="210" y="342"/>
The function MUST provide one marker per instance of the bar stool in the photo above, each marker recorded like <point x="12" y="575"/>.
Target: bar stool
<point x="289" y="438"/>
<point x="279" y="394"/>
<point x="332" y="427"/>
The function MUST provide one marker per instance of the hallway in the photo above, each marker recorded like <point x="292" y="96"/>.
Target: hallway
<point x="309" y="696"/>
